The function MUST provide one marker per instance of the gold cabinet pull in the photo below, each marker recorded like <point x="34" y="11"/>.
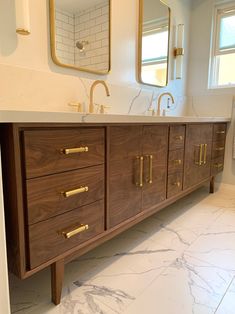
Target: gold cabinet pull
<point x="219" y="149"/>
<point x="200" y="162"/>
<point x="179" y="137"/>
<point x="80" y="190"/>
<point x="218" y="165"/>
<point x="149" y="179"/>
<point x="205" y="154"/>
<point x="178" y="184"/>
<point x="72" y="233"/>
<point x="220" y="132"/>
<point x="141" y="171"/>
<point x="68" y="151"/>
<point x="178" y="162"/>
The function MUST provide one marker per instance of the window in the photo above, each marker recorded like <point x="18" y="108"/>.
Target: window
<point x="223" y="50"/>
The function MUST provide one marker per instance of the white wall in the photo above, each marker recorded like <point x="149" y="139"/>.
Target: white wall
<point x="212" y="102"/>
<point x="30" y="80"/>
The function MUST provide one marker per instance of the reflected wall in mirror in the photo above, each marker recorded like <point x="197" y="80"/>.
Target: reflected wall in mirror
<point x="154" y="35"/>
<point x="80" y="34"/>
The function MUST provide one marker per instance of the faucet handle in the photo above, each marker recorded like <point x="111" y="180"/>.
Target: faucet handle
<point x="77" y="105"/>
<point x="103" y="108"/>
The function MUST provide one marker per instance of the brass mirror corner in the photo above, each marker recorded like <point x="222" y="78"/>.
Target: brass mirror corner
<point x="153" y="42"/>
<point x="81" y="34"/>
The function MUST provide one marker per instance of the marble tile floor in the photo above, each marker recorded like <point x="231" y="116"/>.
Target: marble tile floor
<point x="179" y="261"/>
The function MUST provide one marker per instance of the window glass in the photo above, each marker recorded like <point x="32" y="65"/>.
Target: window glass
<point x="150" y="53"/>
<point x="227" y="32"/>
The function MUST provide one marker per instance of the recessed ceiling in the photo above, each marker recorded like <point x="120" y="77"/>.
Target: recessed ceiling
<point x="75" y="6"/>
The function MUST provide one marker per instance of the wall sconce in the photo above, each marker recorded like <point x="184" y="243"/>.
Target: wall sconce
<point x="81" y="45"/>
<point x="179" y="52"/>
<point x="22" y="17"/>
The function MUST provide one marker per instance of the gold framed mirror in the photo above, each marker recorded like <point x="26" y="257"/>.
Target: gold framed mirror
<point x="80" y="34"/>
<point x="153" y="42"/>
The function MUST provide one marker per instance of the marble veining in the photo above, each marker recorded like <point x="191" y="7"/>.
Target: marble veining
<point x="179" y="261"/>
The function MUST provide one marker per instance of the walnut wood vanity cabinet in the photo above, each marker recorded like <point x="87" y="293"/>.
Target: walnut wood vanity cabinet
<point x="69" y="188"/>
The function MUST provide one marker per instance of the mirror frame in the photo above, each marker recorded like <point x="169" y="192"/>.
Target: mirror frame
<point x="53" y="43"/>
<point x="139" y="56"/>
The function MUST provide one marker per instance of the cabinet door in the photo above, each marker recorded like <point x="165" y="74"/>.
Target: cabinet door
<point x="197" y="166"/>
<point x="155" y="147"/>
<point x="124" y="195"/>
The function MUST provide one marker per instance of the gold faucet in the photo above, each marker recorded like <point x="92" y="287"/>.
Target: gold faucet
<point x="160" y="99"/>
<point x="91" y="105"/>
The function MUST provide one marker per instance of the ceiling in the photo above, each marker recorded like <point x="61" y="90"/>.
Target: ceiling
<point x="75" y="6"/>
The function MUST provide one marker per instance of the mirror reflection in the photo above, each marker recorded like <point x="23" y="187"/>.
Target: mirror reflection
<point x="80" y="34"/>
<point x="154" y="33"/>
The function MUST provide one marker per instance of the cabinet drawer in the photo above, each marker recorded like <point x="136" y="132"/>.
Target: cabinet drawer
<point x="45" y="150"/>
<point x="217" y="165"/>
<point x="46" y="239"/>
<point x="46" y="195"/>
<point x="175" y="184"/>
<point x="177" y="136"/>
<point x="175" y="161"/>
<point x="219" y="131"/>
<point x="218" y="149"/>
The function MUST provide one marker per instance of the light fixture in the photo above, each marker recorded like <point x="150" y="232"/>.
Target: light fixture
<point x="22" y="17"/>
<point x="179" y="52"/>
<point x="81" y="45"/>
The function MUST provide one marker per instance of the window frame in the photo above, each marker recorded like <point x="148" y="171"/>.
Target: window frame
<point x="219" y="12"/>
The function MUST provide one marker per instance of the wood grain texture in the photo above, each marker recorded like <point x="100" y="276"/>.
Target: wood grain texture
<point x="43" y="150"/>
<point x="124" y="195"/>
<point x="155" y="143"/>
<point x="176" y="137"/>
<point x="173" y="161"/>
<point x="46" y="240"/>
<point x="57" y="277"/>
<point x="174" y="184"/>
<point x="45" y="198"/>
<point x="218" y="148"/>
<point x="219" y="131"/>
<point x="217" y="165"/>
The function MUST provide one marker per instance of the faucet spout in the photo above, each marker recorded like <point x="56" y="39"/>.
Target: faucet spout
<point x="160" y="99"/>
<point x="91" y="105"/>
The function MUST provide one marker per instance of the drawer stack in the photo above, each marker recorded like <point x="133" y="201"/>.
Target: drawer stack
<point x="218" y="148"/>
<point x="64" y="172"/>
<point x="175" y="160"/>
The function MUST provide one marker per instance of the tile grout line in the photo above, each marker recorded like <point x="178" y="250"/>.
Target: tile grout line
<point x="224" y="295"/>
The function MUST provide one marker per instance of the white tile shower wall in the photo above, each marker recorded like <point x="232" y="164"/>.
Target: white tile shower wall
<point x="65" y="24"/>
<point x="92" y="26"/>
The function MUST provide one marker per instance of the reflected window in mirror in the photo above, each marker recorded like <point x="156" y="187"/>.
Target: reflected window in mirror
<point x="153" y="43"/>
<point x="80" y="34"/>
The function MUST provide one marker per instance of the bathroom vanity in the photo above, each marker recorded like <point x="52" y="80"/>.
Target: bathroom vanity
<point x="68" y="187"/>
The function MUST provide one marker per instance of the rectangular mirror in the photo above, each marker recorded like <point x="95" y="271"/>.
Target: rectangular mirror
<point x="80" y="34"/>
<point x="154" y="37"/>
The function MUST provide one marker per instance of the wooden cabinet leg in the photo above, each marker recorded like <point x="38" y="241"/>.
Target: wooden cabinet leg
<point x="212" y="185"/>
<point x="57" y="277"/>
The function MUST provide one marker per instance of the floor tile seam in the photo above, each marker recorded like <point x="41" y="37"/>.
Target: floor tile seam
<point x="218" y="306"/>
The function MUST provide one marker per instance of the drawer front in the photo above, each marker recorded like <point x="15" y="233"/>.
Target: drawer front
<point x="177" y="136"/>
<point x="217" y="165"/>
<point x="219" y="131"/>
<point x="45" y="150"/>
<point x="218" y="149"/>
<point x="175" y="184"/>
<point x="175" y="161"/>
<point x="46" y="239"/>
<point x="46" y="196"/>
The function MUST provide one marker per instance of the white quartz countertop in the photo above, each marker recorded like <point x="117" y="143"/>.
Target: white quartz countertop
<point x="12" y="116"/>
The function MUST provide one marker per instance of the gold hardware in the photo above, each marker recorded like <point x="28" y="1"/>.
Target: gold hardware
<point x="159" y="102"/>
<point x="141" y="169"/>
<point x="22" y="31"/>
<point x="220" y="132"/>
<point x="91" y="105"/>
<point x="178" y="52"/>
<point x="150" y="178"/>
<point x="76" y="105"/>
<point x="218" y="165"/>
<point x="205" y="154"/>
<point x="179" y="137"/>
<point x="178" y="162"/>
<point x="178" y="184"/>
<point x="72" y="233"/>
<point x="76" y="191"/>
<point x="68" y="151"/>
<point x="219" y="149"/>
<point x="200" y="162"/>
